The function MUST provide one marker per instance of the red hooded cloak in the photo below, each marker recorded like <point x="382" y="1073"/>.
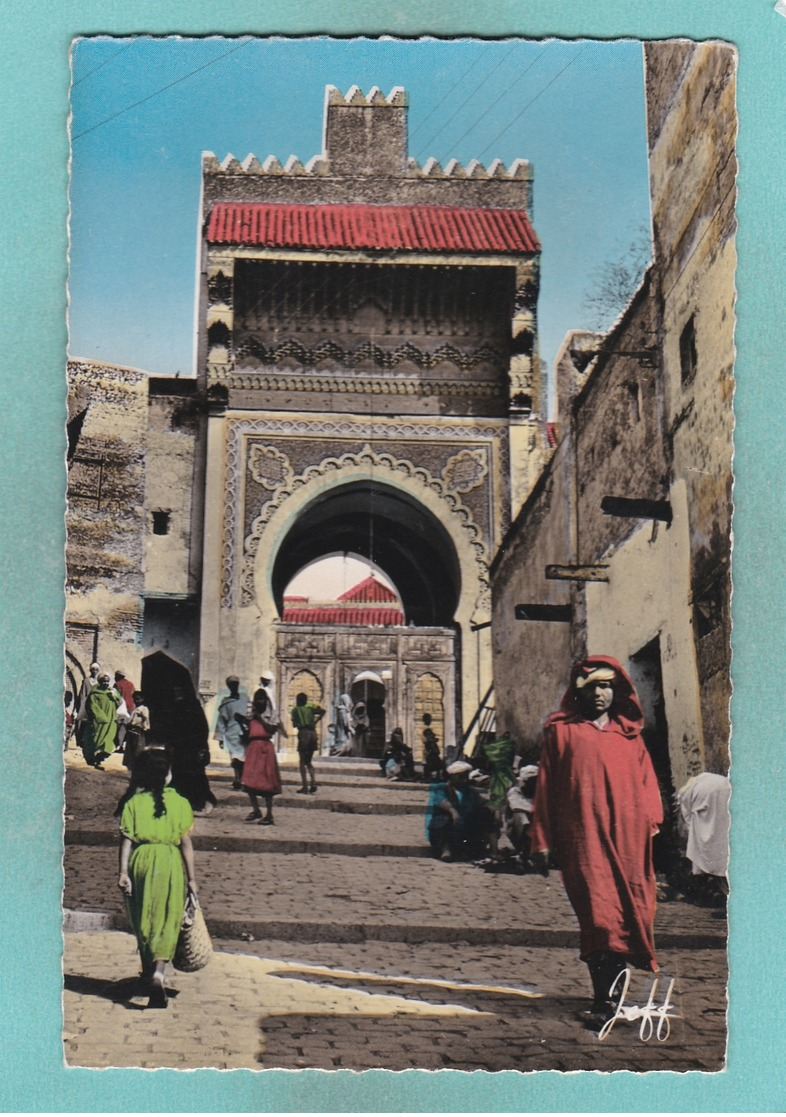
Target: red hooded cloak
<point x="597" y="807"/>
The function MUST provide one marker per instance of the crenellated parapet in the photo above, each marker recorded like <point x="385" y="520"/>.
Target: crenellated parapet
<point x="520" y="170"/>
<point x="211" y="165"/>
<point x="356" y="98"/>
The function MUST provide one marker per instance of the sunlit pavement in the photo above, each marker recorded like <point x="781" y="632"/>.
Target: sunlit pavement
<point x="332" y="958"/>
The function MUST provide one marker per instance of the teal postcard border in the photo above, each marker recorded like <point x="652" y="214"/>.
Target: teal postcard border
<point x="33" y="248"/>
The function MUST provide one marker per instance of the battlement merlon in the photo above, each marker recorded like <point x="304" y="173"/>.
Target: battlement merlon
<point x="520" y="170"/>
<point x="365" y="160"/>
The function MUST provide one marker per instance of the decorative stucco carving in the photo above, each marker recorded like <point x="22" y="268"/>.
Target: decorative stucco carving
<point x="367" y="458"/>
<point x="367" y="353"/>
<point x="466" y="470"/>
<point x="488" y="430"/>
<point x="269" y="467"/>
<point x="292" y="381"/>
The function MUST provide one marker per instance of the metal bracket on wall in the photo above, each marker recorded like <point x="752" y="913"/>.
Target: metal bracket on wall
<point x="557" y="613"/>
<point x="638" y="509"/>
<point x="596" y="573"/>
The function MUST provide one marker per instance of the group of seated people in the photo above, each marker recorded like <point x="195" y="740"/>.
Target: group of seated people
<point x="465" y="823"/>
<point x="472" y="805"/>
<point x="398" y="763"/>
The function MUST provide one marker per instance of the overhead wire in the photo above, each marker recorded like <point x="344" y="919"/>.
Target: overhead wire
<point x="455" y="85"/>
<point x="469" y="96"/>
<point x="532" y="102"/>
<point x="495" y="102"/>
<point x="106" y="62"/>
<point x="163" y="89"/>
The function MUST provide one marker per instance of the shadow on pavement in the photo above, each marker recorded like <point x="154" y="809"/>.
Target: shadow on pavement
<point x="119" y="992"/>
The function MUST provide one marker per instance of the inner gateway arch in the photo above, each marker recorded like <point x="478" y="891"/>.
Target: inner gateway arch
<point x="367" y="360"/>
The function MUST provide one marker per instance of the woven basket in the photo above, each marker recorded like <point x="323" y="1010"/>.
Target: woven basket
<point x="194" y="947"/>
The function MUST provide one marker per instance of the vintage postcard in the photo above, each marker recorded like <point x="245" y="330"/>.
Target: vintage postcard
<point x="400" y="409"/>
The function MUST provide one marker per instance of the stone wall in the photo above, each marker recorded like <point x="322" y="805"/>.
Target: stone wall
<point x="620" y="449"/>
<point x="692" y="127"/>
<point x="174" y="421"/>
<point x="105" y="519"/>
<point x="652" y="420"/>
<point x="531" y="659"/>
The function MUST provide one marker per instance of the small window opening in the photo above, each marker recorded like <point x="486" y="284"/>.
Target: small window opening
<point x="635" y="400"/>
<point x="688" y="356"/>
<point x="709" y="608"/>
<point x="161" y="523"/>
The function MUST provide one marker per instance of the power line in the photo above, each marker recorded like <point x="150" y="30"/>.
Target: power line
<point x="455" y="85"/>
<point x="163" y="89"/>
<point x="471" y="95"/>
<point x="104" y="63"/>
<point x="496" y="101"/>
<point x="532" y="102"/>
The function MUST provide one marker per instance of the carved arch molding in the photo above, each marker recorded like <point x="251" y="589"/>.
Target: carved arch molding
<point x="401" y="473"/>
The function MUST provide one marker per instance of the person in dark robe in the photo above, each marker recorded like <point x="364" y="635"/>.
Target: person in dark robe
<point x="137" y="730"/>
<point x="178" y="722"/>
<point x="397" y="762"/>
<point x="433" y="765"/>
<point x="597" y="808"/>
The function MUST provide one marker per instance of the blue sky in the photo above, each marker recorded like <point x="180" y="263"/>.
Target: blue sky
<point x="144" y="109"/>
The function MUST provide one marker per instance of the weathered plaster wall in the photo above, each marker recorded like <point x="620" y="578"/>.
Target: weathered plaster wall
<point x="171" y="442"/>
<point x="105" y="519"/>
<point x="619" y="429"/>
<point x="531" y="659"/>
<point x="648" y="596"/>
<point x="653" y="420"/>
<point x="692" y="168"/>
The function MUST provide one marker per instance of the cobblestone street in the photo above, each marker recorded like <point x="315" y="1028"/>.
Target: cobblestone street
<point x="341" y="944"/>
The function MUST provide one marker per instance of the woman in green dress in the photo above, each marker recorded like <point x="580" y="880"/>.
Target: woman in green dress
<point x="156" y="865"/>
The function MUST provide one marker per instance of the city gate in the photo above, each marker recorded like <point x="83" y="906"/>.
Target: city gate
<point x="367" y="359"/>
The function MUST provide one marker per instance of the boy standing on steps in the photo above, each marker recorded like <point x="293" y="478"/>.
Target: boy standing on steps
<point x="305" y="716"/>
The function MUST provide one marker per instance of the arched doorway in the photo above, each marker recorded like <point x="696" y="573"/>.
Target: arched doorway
<point x="369" y="688"/>
<point x="363" y="652"/>
<point x="429" y="703"/>
<point x="389" y="528"/>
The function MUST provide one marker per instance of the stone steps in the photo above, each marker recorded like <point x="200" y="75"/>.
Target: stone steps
<point x="319" y="802"/>
<point x="228" y="843"/>
<point x="304" y="931"/>
<point x="348" y="865"/>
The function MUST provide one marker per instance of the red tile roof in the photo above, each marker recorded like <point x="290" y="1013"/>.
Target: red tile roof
<point x="341" y="614"/>
<point x="409" y="228"/>
<point x="368" y="590"/>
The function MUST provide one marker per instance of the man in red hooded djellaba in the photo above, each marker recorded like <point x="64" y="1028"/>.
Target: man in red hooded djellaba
<point x="596" y="810"/>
